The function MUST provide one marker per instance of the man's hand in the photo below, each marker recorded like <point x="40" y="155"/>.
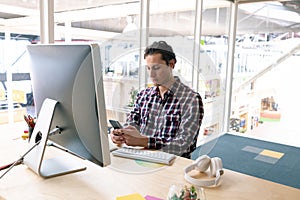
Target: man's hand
<point x="133" y="137"/>
<point x="117" y="137"/>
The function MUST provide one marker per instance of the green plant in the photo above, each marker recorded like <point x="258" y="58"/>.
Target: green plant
<point x="186" y="194"/>
<point x="133" y="93"/>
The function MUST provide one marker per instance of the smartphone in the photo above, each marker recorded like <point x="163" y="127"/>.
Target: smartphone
<point x="115" y="124"/>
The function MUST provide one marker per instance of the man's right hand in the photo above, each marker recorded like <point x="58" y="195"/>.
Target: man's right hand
<point x="117" y="136"/>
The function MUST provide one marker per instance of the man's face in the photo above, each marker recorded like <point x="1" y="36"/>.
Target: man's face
<point x="159" y="72"/>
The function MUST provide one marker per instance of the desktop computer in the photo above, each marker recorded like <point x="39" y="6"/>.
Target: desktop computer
<point x="68" y="95"/>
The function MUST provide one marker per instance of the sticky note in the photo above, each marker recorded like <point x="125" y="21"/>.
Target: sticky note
<point x="134" y="196"/>
<point x="273" y="154"/>
<point x="148" y="197"/>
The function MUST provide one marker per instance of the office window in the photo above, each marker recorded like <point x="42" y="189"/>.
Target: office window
<point x="175" y="23"/>
<point x="266" y="68"/>
<point x="266" y="50"/>
<point x="19" y="28"/>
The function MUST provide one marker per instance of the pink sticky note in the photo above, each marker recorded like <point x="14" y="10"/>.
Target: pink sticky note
<point x="148" y="197"/>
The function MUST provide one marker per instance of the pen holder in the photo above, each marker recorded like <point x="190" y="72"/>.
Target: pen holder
<point x="30" y="131"/>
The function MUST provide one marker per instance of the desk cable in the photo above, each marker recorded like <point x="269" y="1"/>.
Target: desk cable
<point x="38" y="138"/>
<point x="17" y="162"/>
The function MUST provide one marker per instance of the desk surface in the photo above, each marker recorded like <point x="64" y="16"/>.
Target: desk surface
<point x="122" y="177"/>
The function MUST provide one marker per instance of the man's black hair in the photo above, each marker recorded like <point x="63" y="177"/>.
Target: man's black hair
<point x="163" y="48"/>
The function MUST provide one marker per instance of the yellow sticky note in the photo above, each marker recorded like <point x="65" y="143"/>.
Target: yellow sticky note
<point x="135" y="196"/>
<point x="273" y="154"/>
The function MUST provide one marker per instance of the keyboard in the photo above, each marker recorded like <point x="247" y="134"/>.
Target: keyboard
<point x="145" y="155"/>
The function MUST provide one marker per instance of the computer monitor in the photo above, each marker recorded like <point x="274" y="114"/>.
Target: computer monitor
<point x="68" y="93"/>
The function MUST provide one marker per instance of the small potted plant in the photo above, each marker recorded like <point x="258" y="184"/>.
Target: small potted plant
<point x="178" y="192"/>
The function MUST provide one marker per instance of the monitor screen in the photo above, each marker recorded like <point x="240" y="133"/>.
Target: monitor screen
<point x="71" y="74"/>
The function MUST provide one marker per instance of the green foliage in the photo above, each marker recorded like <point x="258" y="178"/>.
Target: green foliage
<point x="133" y="93"/>
<point x="186" y="194"/>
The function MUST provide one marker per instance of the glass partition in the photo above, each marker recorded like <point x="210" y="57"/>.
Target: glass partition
<point x="265" y="72"/>
<point x="180" y="18"/>
<point x="16" y="33"/>
<point x="266" y="50"/>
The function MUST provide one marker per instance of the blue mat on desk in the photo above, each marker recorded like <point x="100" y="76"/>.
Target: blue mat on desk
<point x="267" y="160"/>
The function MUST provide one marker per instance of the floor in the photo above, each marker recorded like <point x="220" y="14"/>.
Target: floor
<point x="278" y="132"/>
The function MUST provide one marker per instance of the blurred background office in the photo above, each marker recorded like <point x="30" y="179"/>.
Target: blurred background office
<point x="242" y="56"/>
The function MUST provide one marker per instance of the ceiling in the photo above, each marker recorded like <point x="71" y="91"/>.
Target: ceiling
<point x="98" y="19"/>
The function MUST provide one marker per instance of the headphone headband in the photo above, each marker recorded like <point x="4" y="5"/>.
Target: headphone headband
<point x="202" y="164"/>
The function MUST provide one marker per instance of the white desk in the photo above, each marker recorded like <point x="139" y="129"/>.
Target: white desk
<point x="121" y="178"/>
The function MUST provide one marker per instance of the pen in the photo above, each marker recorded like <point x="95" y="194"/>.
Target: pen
<point x="26" y="119"/>
<point x="29" y="120"/>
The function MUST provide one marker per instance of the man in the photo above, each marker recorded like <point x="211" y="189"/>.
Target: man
<point x="166" y="116"/>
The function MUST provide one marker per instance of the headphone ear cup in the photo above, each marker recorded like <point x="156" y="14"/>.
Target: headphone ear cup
<point x="202" y="163"/>
<point x="215" y="166"/>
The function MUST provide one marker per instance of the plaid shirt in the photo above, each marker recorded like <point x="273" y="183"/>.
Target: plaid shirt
<point x="171" y="124"/>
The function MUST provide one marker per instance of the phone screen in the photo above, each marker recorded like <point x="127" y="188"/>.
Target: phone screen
<point x="115" y="124"/>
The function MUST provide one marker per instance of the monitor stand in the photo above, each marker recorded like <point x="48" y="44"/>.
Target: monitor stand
<point x="55" y="166"/>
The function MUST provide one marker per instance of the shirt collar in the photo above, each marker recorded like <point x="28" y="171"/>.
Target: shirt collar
<point x="174" y="87"/>
<point x="171" y="90"/>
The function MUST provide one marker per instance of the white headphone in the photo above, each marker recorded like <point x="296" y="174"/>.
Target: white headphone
<point x="201" y="164"/>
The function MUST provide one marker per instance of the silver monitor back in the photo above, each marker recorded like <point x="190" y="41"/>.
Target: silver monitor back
<point x="72" y="75"/>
